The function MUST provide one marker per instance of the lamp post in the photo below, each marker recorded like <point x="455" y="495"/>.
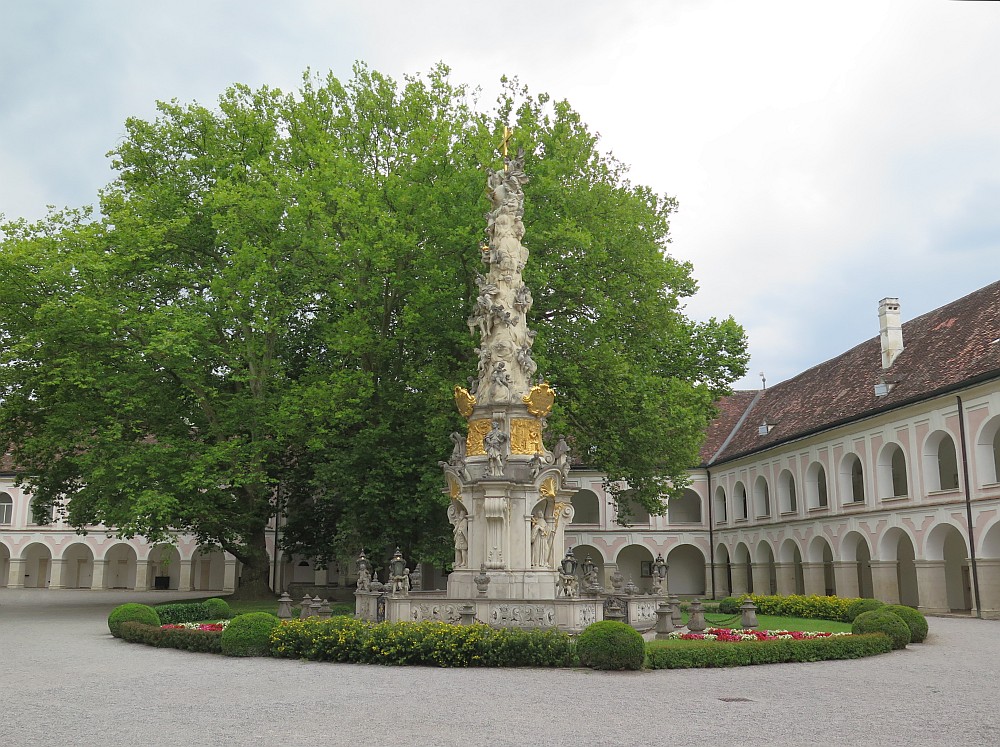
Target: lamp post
<point x="659" y="573"/>
<point x="397" y="572"/>
<point x="567" y="574"/>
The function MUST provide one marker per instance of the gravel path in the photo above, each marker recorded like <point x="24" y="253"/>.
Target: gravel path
<point x="65" y="681"/>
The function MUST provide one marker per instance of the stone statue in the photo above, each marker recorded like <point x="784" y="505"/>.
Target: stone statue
<point x="539" y="540"/>
<point x="460" y="531"/>
<point x="495" y="445"/>
<point x="416" y="579"/>
<point x="536" y="465"/>
<point x="560" y="455"/>
<point x="501" y="389"/>
<point x="457" y="458"/>
<point x="364" y="579"/>
<point x="568" y="584"/>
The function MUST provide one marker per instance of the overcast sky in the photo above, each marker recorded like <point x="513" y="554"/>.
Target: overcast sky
<point x="825" y="154"/>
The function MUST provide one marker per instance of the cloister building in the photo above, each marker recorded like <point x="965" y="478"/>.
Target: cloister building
<point x="876" y="473"/>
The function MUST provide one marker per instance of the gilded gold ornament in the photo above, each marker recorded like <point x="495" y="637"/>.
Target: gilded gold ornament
<point x="477" y="432"/>
<point x="454" y="489"/>
<point x="464" y="401"/>
<point x="548" y="488"/>
<point x="526" y="436"/>
<point x="539" y="400"/>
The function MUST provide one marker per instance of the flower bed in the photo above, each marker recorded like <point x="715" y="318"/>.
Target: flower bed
<point x="743" y="635"/>
<point x="216" y="627"/>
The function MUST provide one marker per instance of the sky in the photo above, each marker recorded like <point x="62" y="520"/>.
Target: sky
<point x="825" y="155"/>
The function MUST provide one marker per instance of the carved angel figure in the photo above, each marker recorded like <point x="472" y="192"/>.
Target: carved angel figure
<point x="495" y="444"/>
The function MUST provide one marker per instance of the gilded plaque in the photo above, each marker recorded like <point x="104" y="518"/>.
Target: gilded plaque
<point x="464" y="401"/>
<point x="539" y="400"/>
<point x="526" y="436"/>
<point x="477" y="432"/>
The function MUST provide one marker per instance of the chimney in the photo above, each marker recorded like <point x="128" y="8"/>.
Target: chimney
<point x="890" y="330"/>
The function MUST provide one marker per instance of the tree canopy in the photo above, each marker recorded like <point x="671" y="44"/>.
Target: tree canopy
<point x="268" y="314"/>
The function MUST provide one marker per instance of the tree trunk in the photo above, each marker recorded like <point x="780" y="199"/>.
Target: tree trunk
<point x="253" y="581"/>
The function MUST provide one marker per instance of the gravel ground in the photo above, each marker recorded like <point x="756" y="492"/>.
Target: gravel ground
<point x="65" y="681"/>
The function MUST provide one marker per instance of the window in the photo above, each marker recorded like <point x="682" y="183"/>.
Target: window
<point x="787" y="500"/>
<point x="892" y="482"/>
<point x="762" y="498"/>
<point x="742" y="507"/>
<point x="852" y="480"/>
<point x="720" y="505"/>
<point x="6" y="509"/>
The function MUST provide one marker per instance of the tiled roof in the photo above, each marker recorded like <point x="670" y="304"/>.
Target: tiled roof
<point x="953" y="346"/>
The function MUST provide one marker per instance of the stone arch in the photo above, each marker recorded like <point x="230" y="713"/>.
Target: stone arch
<point x="686" y="570"/>
<point x="947" y="543"/>
<point x="790" y="556"/>
<point x="686" y="509"/>
<point x="638" y="515"/>
<point x="896" y="546"/>
<point x="817" y="488"/>
<point x="765" y="574"/>
<point x="163" y="570"/>
<point x="4" y="564"/>
<point x="721" y="514"/>
<point x="761" y="498"/>
<point x="723" y="571"/>
<point x="890" y="472"/>
<point x="120" y="566"/>
<point x="208" y="569"/>
<point x="820" y="552"/>
<point x="78" y="566"/>
<point x="940" y="462"/>
<point x="851" y="479"/>
<point x="988" y="452"/>
<point x="587" y="506"/>
<point x="788" y="502"/>
<point x="989" y="545"/>
<point x="37" y="559"/>
<point x="854" y="549"/>
<point x="303" y="570"/>
<point x="629" y="561"/>
<point x="742" y="569"/>
<point x="741" y="504"/>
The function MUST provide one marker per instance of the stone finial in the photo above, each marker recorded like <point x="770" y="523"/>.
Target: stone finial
<point x="305" y="607"/>
<point x="284" y="606"/>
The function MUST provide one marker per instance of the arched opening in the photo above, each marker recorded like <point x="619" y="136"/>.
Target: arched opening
<point x="791" y="557"/>
<point x="816" y="487"/>
<point x="637" y="513"/>
<point x="945" y="542"/>
<point x="787" y="500"/>
<point x="896" y="546"/>
<point x="635" y="564"/>
<point x="208" y="569"/>
<point x="303" y="571"/>
<point x="940" y="462"/>
<point x="741" y="503"/>
<point x="761" y="498"/>
<point x="4" y="565"/>
<point x="852" y="480"/>
<point x="587" y="508"/>
<point x="742" y="570"/>
<point x="821" y="554"/>
<point x="854" y="549"/>
<point x="686" y="571"/>
<point x="988" y="452"/>
<point x="6" y="509"/>
<point x="78" y="566"/>
<point x="720" y="505"/>
<point x="686" y="509"/>
<point x="892" y="481"/>
<point x="723" y="572"/>
<point x="119" y="570"/>
<point x="765" y="577"/>
<point x="37" y="566"/>
<point x="164" y="568"/>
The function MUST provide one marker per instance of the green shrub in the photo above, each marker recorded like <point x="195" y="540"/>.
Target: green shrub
<point x="186" y="640"/>
<point x="420" y="643"/>
<point x="858" y="606"/>
<point x="795" y="605"/>
<point x="880" y="621"/>
<point x="610" y="644"/>
<point x="131" y="612"/>
<point x="730" y="605"/>
<point x="249" y="634"/>
<point x="181" y="612"/>
<point x="343" y="608"/>
<point x="217" y="609"/>
<point x="712" y="654"/>
<point x="914" y="620"/>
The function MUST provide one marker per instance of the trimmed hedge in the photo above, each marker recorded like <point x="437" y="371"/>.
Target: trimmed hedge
<point x="881" y="621"/>
<point x="218" y="609"/>
<point x="698" y="654"/>
<point x="427" y="643"/>
<point x="610" y="644"/>
<point x="186" y="612"/>
<point x="249" y="634"/>
<point x="131" y="612"/>
<point x="858" y="606"/>
<point x="914" y="620"/>
<point x="794" y="605"/>
<point x="186" y="640"/>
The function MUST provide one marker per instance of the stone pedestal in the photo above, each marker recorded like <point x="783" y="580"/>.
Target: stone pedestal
<point x="785" y="578"/>
<point x="813" y="578"/>
<point x="932" y="587"/>
<point x="885" y="583"/>
<point x="845" y="576"/>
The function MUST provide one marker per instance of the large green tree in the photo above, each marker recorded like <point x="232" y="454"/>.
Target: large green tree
<point x="268" y="315"/>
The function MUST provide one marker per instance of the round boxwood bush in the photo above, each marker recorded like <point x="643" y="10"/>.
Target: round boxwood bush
<point x="880" y="621"/>
<point x="730" y="606"/>
<point x="858" y="606"/>
<point x="249" y="634"/>
<point x="914" y="620"/>
<point x="219" y="608"/>
<point x="131" y="612"/>
<point x="610" y="644"/>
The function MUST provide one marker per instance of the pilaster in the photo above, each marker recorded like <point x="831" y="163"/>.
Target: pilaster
<point x="885" y="581"/>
